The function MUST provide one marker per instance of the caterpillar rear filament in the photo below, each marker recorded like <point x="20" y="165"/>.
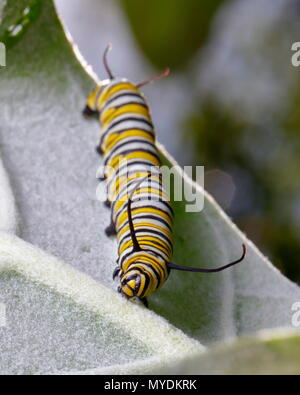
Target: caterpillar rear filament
<point x="141" y="213"/>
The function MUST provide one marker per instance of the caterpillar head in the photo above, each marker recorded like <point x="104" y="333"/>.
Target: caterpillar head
<point x="133" y="284"/>
<point x="91" y="107"/>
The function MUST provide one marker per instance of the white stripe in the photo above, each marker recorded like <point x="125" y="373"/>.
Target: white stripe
<point x="138" y="256"/>
<point x="127" y="140"/>
<point x="157" y="204"/>
<point x="150" y="194"/>
<point x="132" y="147"/>
<point x="149" y="222"/>
<point x="123" y="100"/>
<point x="156" y="252"/>
<point x="133" y="170"/>
<point x="166" y="243"/>
<point x="124" y="117"/>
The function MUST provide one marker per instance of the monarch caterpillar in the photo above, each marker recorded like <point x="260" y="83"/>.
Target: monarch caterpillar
<point x="141" y="214"/>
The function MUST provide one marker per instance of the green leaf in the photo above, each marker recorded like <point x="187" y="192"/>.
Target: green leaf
<point x="48" y="151"/>
<point x="169" y="33"/>
<point x="269" y="352"/>
<point x="59" y="320"/>
<point x="17" y="19"/>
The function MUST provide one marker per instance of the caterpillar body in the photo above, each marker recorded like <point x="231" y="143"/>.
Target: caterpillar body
<point x="141" y="213"/>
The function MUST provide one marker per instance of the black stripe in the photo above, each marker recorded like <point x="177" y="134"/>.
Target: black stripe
<point x="160" y="200"/>
<point x="143" y="162"/>
<point x="143" y="120"/>
<point x="140" y="119"/>
<point x="147" y="282"/>
<point x="104" y="135"/>
<point x="125" y="238"/>
<point x="140" y="198"/>
<point x="166" y="203"/>
<point x="130" y="140"/>
<point x="126" y="152"/>
<point x="145" y="243"/>
<point x="136" y="246"/>
<point x="147" y="217"/>
<point x="156" y="274"/>
<point x="131" y="102"/>
<point x="134" y="162"/>
<point x="143" y="273"/>
<point x="157" y="218"/>
<point x="117" y="107"/>
<point x="121" y="191"/>
<point x="113" y="84"/>
<point x="129" y="173"/>
<point x="109" y="101"/>
<point x="142" y="207"/>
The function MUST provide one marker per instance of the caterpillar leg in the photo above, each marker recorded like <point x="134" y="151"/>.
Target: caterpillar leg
<point x="107" y="203"/>
<point x="119" y="289"/>
<point x="87" y="112"/>
<point x="116" y="272"/>
<point x="99" y="150"/>
<point x="101" y="178"/>
<point x="100" y="175"/>
<point x="111" y="230"/>
<point x="143" y="300"/>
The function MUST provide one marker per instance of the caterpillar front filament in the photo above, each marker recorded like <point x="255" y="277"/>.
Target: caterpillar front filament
<point x="141" y="213"/>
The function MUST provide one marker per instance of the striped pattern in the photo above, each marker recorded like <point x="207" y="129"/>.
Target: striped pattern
<point x="129" y="153"/>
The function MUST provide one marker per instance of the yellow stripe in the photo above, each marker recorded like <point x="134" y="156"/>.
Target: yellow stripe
<point x="144" y="258"/>
<point x="116" y="161"/>
<point x="153" y="283"/>
<point x="120" y="181"/>
<point x="127" y="291"/>
<point x="158" y="267"/>
<point x="91" y="100"/>
<point x="146" y="241"/>
<point x="116" y="137"/>
<point x="125" y="198"/>
<point x="142" y="285"/>
<point x="123" y="217"/>
<point x="166" y="231"/>
<point x="110" y="91"/>
<point x="163" y="246"/>
<point x="111" y="113"/>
